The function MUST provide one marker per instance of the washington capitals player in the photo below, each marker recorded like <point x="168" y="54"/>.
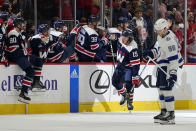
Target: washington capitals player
<point x="63" y="45"/>
<point x="114" y="35"/>
<point x="40" y="46"/>
<point x="3" y="23"/>
<point x="127" y="68"/>
<point x="166" y="52"/>
<point x="16" y="52"/>
<point x="88" y="43"/>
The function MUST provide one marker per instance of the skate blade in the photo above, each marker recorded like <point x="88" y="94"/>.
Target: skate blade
<point x="156" y="121"/>
<point x="123" y="104"/>
<point x="170" y="122"/>
<point x="130" y="109"/>
<point x="38" y="90"/>
<point x="23" y="101"/>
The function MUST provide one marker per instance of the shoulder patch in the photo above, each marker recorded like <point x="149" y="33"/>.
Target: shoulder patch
<point x="114" y="30"/>
<point x="36" y="36"/>
<point x="56" y="33"/>
<point x="89" y="30"/>
<point x="13" y="32"/>
<point x="168" y="38"/>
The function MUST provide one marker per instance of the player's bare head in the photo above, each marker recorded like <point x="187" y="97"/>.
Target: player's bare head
<point x="93" y="20"/>
<point x="127" y="36"/>
<point x="161" y="27"/>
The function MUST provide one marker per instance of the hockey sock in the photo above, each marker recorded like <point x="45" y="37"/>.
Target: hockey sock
<point x="26" y="84"/>
<point x="122" y="91"/>
<point x="38" y="72"/>
<point x="169" y="100"/>
<point x="162" y="99"/>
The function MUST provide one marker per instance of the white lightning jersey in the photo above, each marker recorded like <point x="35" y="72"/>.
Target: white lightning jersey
<point x="167" y="52"/>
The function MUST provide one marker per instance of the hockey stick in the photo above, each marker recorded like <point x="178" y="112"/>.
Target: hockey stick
<point x="144" y="68"/>
<point x="162" y="70"/>
<point x="141" y="72"/>
<point x="112" y="54"/>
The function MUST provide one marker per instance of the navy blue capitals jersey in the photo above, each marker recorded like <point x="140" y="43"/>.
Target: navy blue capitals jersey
<point x="60" y="42"/>
<point x="40" y="46"/>
<point x="114" y="35"/>
<point x="128" y="57"/>
<point x="87" y="42"/>
<point x="15" y="45"/>
<point x="57" y="51"/>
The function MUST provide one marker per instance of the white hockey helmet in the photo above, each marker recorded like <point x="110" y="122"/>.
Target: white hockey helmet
<point x="161" y="24"/>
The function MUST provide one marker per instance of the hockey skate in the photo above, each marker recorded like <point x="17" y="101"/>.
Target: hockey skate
<point x="23" y="98"/>
<point x="130" y="105"/>
<point x="38" y="87"/>
<point x="123" y="99"/>
<point x="168" y="119"/>
<point x="157" y="118"/>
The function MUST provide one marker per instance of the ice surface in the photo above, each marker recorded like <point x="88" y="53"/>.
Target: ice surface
<point x="115" y="121"/>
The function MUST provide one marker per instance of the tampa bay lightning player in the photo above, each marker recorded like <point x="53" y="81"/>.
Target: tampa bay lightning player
<point x="167" y="54"/>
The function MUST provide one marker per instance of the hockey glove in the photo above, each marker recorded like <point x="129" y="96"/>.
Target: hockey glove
<point x="5" y="62"/>
<point x="29" y="52"/>
<point x="75" y="30"/>
<point x="172" y="79"/>
<point x="136" y="81"/>
<point x="148" y="53"/>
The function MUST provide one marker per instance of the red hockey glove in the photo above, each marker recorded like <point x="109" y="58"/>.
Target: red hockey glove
<point x="5" y="62"/>
<point x="29" y="52"/>
<point x="136" y="81"/>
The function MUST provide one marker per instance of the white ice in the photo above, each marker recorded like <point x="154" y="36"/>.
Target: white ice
<point x="115" y="121"/>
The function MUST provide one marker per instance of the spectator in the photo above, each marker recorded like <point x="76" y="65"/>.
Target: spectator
<point x="139" y="27"/>
<point x="162" y="9"/>
<point x="118" y="12"/>
<point x="67" y="10"/>
<point x="148" y="16"/>
<point x="145" y="5"/>
<point x="134" y="5"/>
<point x="191" y="41"/>
<point x="128" y="7"/>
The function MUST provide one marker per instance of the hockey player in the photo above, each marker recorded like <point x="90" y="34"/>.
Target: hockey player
<point x="88" y="43"/>
<point x="40" y="46"/>
<point x="166" y="52"/>
<point x="114" y="35"/>
<point x="16" y="52"/>
<point x="3" y="23"/>
<point x="127" y="68"/>
<point x="63" y="45"/>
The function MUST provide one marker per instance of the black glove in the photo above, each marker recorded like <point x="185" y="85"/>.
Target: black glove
<point x="172" y="79"/>
<point x="148" y="53"/>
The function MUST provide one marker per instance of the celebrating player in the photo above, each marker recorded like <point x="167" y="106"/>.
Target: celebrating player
<point x="63" y="45"/>
<point x="127" y="68"/>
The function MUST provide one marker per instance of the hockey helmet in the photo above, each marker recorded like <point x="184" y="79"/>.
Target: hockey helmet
<point x="58" y="24"/>
<point x="43" y="28"/>
<point x="122" y="20"/>
<point x="93" y="18"/>
<point x="17" y="21"/>
<point x="128" y="33"/>
<point x="161" y="24"/>
<point x="4" y="16"/>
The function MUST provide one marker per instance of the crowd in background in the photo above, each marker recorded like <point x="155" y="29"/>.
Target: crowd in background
<point x="140" y="13"/>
